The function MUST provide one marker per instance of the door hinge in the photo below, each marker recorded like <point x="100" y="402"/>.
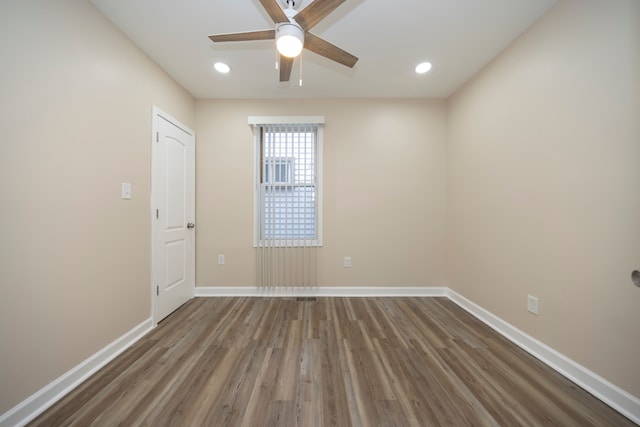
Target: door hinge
<point x="157" y="213"/>
<point x="157" y="136"/>
<point x="157" y="290"/>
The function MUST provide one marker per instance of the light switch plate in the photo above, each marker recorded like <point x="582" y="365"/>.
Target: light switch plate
<point x="126" y="190"/>
<point x="532" y="304"/>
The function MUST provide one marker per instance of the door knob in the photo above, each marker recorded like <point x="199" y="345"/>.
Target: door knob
<point x="190" y="225"/>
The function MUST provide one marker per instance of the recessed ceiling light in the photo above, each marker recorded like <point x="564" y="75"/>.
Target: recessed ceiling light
<point x="423" y="68"/>
<point x="221" y="67"/>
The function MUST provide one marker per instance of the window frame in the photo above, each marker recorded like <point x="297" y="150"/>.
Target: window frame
<point x="258" y="203"/>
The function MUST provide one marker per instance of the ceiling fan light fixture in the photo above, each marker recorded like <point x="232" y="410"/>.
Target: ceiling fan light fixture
<point x="289" y="39"/>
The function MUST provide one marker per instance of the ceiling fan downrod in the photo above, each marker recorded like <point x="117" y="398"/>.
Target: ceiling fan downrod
<point x="291" y="4"/>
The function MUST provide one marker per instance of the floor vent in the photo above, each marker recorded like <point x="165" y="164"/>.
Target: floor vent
<point x="307" y="299"/>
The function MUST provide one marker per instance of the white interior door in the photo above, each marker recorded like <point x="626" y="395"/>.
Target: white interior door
<point x="173" y="214"/>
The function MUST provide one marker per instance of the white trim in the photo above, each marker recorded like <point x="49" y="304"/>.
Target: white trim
<point x="619" y="399"/>
<point x="38" y="402"/>
<point x="155" y="114"/>
<point x="158" y="112"/>
<point x="287" y="243"/>
<point x="319" y="182"/>
<point x="323" y="291"/>
<point x="282" y="120"/>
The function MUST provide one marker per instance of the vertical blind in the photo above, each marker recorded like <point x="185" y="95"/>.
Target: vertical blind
<point x="287" y="212"/>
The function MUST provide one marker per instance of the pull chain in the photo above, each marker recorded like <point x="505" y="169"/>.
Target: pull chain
<point x="300" y="69"/>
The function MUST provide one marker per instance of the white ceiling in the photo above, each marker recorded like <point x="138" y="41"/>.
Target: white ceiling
<point x="390" y="37"/>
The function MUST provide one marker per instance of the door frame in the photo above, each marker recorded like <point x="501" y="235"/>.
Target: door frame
<point x="156" y="115"/>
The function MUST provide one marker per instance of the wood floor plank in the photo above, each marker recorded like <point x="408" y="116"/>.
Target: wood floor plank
<point x="326" y="362"/>
<point x="281" y="413"/>
<point x="500" y="406"/>
<point x="335" y="399"/>
<point x="289" y="365"/>
<point x="409" y="386"/>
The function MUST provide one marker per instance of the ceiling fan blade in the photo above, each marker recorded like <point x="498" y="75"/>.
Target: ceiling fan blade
<point x="285" y="68"/>
<point x="239" y="37"/>
<point x="326" y="49"/>
<point x="274" y="11"/>
<point x="315" y="12"/>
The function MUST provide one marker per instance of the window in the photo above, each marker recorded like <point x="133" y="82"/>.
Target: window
<point x="288" y="184"/>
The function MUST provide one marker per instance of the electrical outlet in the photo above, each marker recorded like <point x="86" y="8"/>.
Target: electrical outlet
<point x="347" y="262"/>
<point x="532" y="304"/>
<point x="220" y="259"/>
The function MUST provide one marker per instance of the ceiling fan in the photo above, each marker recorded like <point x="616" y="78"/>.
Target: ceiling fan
<point x="292" y="33"/>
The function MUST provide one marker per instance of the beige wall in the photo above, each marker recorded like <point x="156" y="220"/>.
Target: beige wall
<point x="384" y="190"/>
<point x="75" y="105"/>
<point x="544" y="194"/>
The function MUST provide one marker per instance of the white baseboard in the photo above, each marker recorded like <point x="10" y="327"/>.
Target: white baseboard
<point x="38" y="402"/>
<point x="322" y="291"/>
<point x="622" y="401"/>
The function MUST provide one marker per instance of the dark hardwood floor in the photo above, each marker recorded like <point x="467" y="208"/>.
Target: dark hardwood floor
<point x="329" y="362"/>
